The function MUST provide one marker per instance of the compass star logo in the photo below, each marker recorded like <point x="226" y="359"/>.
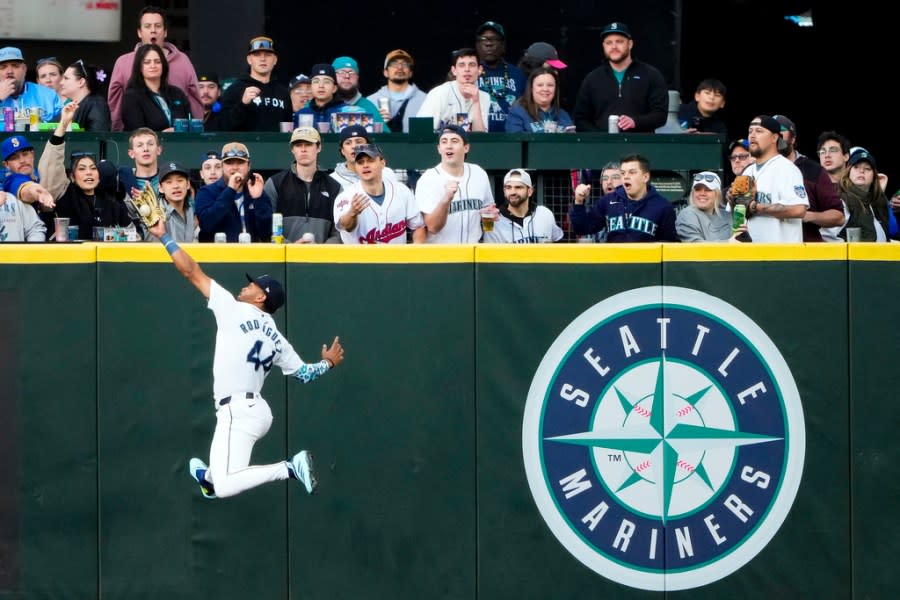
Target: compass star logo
<point x="663" y="438"/>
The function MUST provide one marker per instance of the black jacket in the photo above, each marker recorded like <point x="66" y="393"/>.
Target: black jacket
<point x="273" y="108"/>
<point x="100" y="210"/>
<point x="93" y="114"/>
<point x="643" y="96"/>
<point x="140" y="109"/>
<point x="306" y="207"/>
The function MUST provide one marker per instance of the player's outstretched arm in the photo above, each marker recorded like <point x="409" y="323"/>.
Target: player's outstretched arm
<point x="331" y="357"/>
<point x="183" y="261"/>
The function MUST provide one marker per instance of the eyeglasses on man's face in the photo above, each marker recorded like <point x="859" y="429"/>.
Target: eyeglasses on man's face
<point x="830" y="150"/>
<point x="737" y="157"/>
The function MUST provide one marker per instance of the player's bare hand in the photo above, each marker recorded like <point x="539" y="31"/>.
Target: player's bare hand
<point x="236" y="181"/>
<point x="358" y="204"/>
<point x="335" y="353"/>
<point x="159" y="229"/>
<point x="582" y="191"/>
<point x="134" y="193"/>
<point x="255" y="185"/>
<point x="250" y="93"/>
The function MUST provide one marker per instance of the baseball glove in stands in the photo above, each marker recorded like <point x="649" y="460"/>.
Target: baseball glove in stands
<point x="743" y="189"/>
<point x="147" y="206"/>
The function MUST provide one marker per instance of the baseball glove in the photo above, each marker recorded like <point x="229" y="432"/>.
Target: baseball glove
<point x="743" y="189"/>
<point x="147" y="206"/>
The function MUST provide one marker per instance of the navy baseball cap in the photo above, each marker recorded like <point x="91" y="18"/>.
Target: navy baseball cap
<point x="209" y="76"/>
<point x="743" y="143"/>
<point x="14" y="144"/>
<point x="786" y="124"/>
<point x="354" y="131"/>
<point x="491" y="25"/>
<point x="274" y="292"/>
<point x="321" y="69"/>
<point x="172" y="167"/>
<point x="862" y="155"/>
<point x="615" y="27"/>
<point x="455" y="129"/>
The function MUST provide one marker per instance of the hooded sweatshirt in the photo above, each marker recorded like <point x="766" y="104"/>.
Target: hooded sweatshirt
<point x="650" y="219"/>
<point x="265" y="113"/>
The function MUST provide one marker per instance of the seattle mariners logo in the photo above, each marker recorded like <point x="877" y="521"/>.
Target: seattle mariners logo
<point x="663" y="438"/>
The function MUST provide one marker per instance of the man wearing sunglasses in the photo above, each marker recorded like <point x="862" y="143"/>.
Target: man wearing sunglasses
<point x="256" y="101"/>
<point x="236" y="203"/>
<point x="153" y="29"/>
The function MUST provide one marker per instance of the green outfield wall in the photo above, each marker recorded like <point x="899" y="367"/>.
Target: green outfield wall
<point x="428" y="487"/>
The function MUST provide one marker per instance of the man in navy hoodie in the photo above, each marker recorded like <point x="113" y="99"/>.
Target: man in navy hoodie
<point x="634" y="212"/>
<point x="236" y="203"/>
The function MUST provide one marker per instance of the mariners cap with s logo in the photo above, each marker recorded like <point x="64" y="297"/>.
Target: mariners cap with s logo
<point x="14" y="144"/>
<point x="274" y="292"/>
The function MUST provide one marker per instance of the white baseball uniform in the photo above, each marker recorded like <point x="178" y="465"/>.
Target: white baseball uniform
<point x="778" y="181"/>
<point x="248" y="344"/>
<point x="379" y="224"/>
<point x="538" y="226"/>
<point x="463" y="224"/>
<point x="445" y="103"/>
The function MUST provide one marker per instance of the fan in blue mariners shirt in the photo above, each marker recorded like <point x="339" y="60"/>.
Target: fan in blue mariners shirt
<point x="503" y="82"/>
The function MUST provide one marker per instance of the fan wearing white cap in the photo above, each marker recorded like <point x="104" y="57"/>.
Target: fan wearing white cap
<point x="704" y="219"/>
<point x="522" y="220"/>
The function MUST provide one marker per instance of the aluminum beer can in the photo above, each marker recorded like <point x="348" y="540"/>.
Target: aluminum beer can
<point x="384" y="103"/>
<point x="613" y="122"/>
<point x="277" y="228"/>
<point x="244" y="238"/>
<point x="221" y="238"/>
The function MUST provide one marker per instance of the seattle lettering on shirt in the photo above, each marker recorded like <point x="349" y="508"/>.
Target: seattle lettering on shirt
<point x="623" y="222"/>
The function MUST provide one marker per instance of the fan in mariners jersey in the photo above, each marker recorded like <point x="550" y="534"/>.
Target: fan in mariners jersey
<point x="376" y="210"/>
<point x="452" y="194"/>
<point x="522" y="221"/>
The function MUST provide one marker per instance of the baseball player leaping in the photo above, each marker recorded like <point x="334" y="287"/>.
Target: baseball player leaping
<point x="247" y="345"/>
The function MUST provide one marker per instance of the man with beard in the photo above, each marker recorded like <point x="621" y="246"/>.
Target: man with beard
<point x="459" y="101"/>
<point x="522" y="221"/>
<point x="404" y="98"/>
<point x="503" y="82"/>
<point x="18" y="94"/>
<point x="623" y="86"/>
<point x="347" y="72"/>
<point x="209" y="90"/>
<point x="256" y="102"/>
<point x="153" y="29"/>
<point x="825" y="206"/>
<point x="777" y="210"/>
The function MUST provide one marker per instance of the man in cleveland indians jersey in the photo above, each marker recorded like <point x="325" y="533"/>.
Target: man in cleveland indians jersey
<point x="452" y="194"/>
<point x="521" y="220"/>
<point x="375" y="210"/>
<point x="248" y="345"/>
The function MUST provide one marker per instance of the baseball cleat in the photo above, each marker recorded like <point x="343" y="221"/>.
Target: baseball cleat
<point x="197" y="469"/>
<point x="301" y="468"/>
